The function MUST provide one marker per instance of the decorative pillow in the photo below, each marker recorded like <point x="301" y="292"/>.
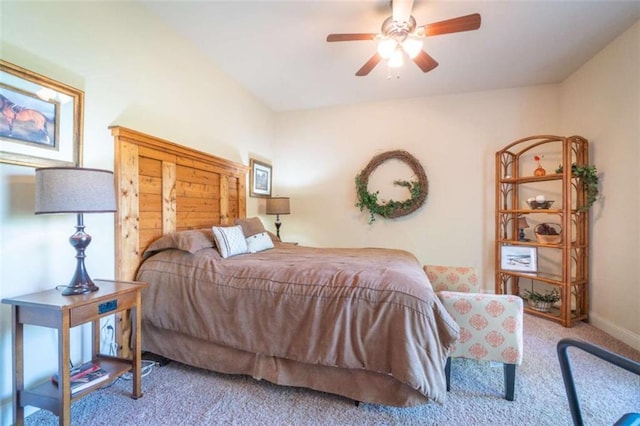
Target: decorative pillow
<point x="259" y="242"/>
<point x="191" y="241"/>
<point x="230" y="240"/>
<point x="274" y="237"/>
<point x="250" y="226"/>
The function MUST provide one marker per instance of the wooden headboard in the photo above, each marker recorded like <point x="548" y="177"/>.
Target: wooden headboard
<point x="163" y="187"/>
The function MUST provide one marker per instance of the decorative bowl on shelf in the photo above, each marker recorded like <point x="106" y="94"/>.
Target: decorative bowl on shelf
<point x="548" y="233"/>
<point x="540" y="306"/>
<point x="539" y="205"/>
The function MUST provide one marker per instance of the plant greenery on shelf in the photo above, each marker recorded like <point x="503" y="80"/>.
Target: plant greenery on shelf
<point x="550" y="296"/>
<point x="588" y="175"/>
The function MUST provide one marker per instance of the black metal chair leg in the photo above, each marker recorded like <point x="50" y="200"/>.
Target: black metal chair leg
<point x="567" y="375"/>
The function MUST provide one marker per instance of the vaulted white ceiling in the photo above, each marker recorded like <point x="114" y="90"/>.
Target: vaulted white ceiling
<point x="278" y="49"/>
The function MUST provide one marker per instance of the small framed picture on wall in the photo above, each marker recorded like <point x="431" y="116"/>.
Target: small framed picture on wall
<point x="260" y="177"/>
<point x="524" y="259"/>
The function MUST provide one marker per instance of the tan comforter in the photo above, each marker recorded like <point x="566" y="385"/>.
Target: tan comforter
<point x="371" y="309"/>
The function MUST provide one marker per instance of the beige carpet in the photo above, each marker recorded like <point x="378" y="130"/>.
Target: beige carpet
<point x="180" y="395"/>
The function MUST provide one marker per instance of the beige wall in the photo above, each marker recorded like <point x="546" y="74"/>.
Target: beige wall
<point x="135" y="73"/>
<point x="320" y="152"/>
<point x="602" y="102"/>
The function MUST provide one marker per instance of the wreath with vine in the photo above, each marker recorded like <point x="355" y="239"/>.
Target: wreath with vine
<point x="391" y="209"/>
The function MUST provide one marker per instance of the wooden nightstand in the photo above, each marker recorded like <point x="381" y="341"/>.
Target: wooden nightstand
<point x="50" y="309"/>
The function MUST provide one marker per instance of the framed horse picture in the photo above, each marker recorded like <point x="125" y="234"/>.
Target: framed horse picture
<point x="40" y="119"/>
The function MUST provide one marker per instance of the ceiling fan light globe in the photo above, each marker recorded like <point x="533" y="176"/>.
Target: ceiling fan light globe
<point x="386" y="47"/>
<point x="396" y="60"/>
<point x="412" y="46"/>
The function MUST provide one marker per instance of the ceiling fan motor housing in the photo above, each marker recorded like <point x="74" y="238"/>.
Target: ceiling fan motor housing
<point x="397" y="30"/>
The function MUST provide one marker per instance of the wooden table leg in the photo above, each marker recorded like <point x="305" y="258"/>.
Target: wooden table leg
<point x="136" y="392"/>
<point x="64" y="380"/>
<point x="18" y="365"/>
<point x="96" y="336"/>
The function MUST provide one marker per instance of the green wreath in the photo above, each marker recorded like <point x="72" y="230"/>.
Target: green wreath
<point x="391" y="209"/>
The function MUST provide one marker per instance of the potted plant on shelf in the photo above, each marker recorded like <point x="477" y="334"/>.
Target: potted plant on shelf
<point x="588" y="175"/>
<point x="541" y="301"/>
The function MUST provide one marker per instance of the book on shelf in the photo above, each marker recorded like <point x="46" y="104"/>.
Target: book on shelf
<point x="84" y="376"/>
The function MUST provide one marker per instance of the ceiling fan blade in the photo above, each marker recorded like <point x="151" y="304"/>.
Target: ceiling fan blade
<point x="425" y="61"/>
<point x="351" y="37"/>
<point x="371" y="63"/>
<point x="455" y="25"/>
<point x="401" y="10"/>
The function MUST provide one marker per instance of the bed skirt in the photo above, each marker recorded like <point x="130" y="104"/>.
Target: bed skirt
<point x="356" y="384"/>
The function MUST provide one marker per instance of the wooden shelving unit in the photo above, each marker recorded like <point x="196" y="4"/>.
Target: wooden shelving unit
<point x="563" y="266"/>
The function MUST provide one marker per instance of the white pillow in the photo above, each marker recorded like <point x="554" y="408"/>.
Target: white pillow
<point x="230" y="240"/>
<point x="259" y="242"/>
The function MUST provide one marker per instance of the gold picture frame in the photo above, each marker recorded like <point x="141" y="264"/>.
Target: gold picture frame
<point x="41" y="120"/>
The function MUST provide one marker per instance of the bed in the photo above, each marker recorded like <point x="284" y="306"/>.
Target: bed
<point x="362" y="323"/>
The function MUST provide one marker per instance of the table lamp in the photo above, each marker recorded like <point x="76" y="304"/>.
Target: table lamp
<point x="76" y="190"/>
<point x="522" y="223"/>
<point x="278" y="206"/>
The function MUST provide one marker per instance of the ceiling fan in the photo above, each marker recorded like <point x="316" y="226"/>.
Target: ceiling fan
<point x="399" y="33"/>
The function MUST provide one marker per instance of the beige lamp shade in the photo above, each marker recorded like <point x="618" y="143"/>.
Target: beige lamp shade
<point x="278" y="205"/>
<point x="74" y="190"/>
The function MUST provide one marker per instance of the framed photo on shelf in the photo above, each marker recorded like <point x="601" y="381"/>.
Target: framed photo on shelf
<point x="40" y="119"/>
<point x="516" y="258"/>
<point x="260" y="177"/>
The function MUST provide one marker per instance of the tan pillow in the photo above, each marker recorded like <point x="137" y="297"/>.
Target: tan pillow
<point x="191" y="241"/>
<point x="250" y="226"/>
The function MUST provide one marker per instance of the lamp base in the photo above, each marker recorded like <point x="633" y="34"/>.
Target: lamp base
<point x="81" y="283"/>
<point x="80" y="288"/>
<point x="278" y="224"/>
<point x="75" y="290"/>
<point x="521" y="236"/>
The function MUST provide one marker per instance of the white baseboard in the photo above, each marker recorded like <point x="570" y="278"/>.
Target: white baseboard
<point x="619" y="333"/>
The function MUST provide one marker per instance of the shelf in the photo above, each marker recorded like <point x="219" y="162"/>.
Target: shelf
<point x="554" y="315"/>
<point x="561" y="262"/>
<point x="530" y="179"/>
<point x="529" y="244"/>
<point x="45" y="395"/>
<point x="548" y="278"/>
<point x="559" y="212"/>
<point x="533" y="243"/>
<point x="529" y="211"/>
